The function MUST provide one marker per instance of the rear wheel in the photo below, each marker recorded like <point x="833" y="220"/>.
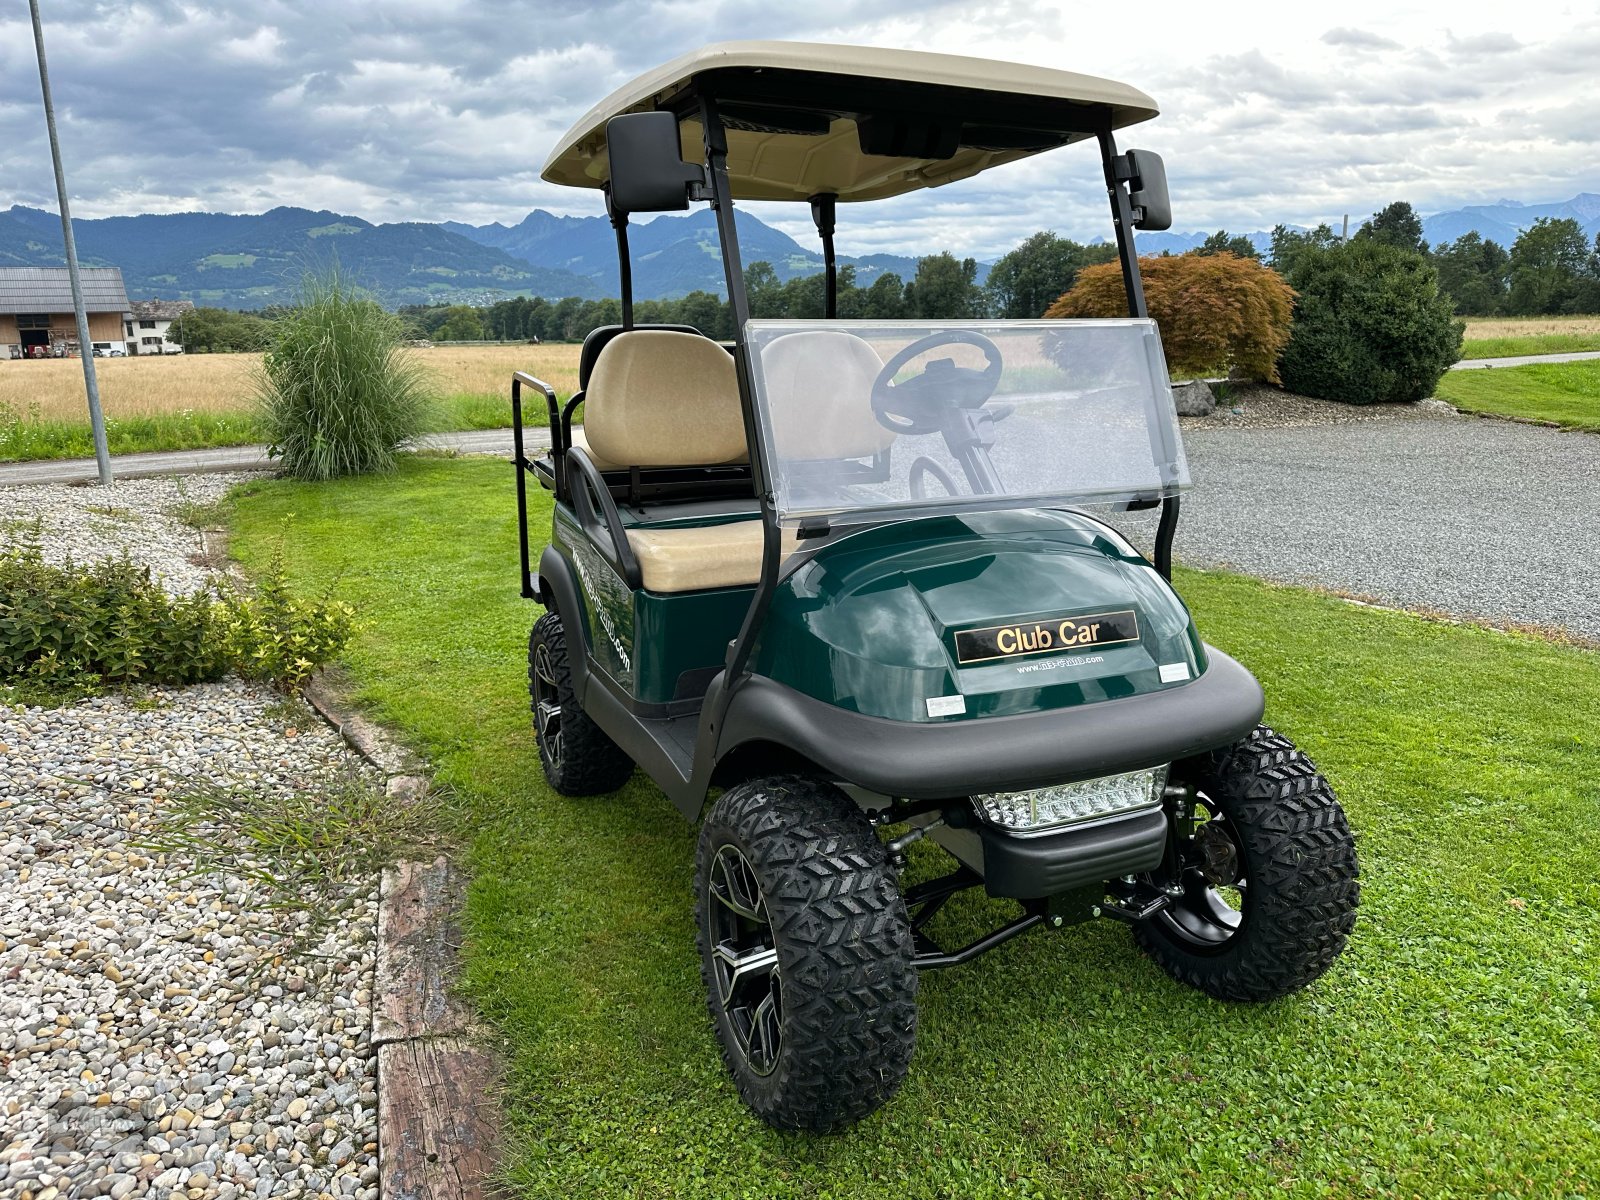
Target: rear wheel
<point x="1268" y="873"/>
<point x="806" y="953"/>
<point x="578" y="758"/>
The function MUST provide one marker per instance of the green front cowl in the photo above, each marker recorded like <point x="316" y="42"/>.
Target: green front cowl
<point x="995" y="613"/>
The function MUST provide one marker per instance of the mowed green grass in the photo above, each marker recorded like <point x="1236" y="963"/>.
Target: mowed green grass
<point x="1566" y="394"/>
<point x="1453" y="1050"/>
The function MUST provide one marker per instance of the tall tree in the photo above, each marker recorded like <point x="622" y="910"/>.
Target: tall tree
<point x="945" y="287"/>
<point x="1395" y="225"/>
<point x="1223" y="242"/>
<point x="1472" y="272"/>
<point x="1549" y="260"/>
<point x="1032" y="277"/>
<point x="885" y="300"/>
<point x="1288" y="245"/>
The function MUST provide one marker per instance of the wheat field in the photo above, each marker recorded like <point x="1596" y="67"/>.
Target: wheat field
<point x="1499" y="327"/>
<point x="51" y="390"/>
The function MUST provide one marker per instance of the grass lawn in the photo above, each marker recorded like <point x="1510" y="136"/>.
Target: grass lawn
<point x="1453" y="1050"/>
<point x="1566" y="394"/>
<point x="193" y="401"/>
<point x="1502" y="337"/>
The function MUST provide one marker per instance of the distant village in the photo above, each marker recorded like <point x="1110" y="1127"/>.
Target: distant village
<point x="37" y="321"/>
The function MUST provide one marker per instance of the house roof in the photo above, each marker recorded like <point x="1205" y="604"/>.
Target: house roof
<point x="160" y="310"/>
<point x="793" y="110"/>
<point x="49" y="290"/>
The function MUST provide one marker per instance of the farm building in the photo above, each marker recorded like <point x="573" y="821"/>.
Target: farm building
<point x="36" y="318"/>
<point x="147" y="328"/>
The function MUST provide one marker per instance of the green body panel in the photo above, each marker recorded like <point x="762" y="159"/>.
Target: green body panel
<point x="665" y="646"/>
<point x="869" y="624"/>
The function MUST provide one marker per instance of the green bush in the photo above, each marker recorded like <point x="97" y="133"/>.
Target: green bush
<point x="1370" y="325"/>
<point x="338" y="392"/>
<point x="65" y="629"/>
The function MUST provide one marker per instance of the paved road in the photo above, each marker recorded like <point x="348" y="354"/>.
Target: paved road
<point x="1480" y="518"/>
<point x="1524" y="360"/>
<point x="231" y="458"/>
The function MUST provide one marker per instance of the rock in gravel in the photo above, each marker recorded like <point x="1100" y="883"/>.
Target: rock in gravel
<point x="1194" y="399"/>
<point x="148" y="993"/>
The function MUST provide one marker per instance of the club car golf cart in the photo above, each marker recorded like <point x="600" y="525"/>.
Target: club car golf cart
<point x="838" y="578"/>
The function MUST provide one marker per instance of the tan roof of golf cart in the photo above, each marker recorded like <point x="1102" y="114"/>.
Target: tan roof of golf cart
<point x="768" y="165"/>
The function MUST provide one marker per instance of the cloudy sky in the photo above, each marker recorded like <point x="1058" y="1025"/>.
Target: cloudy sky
<point x="444" y="109"/>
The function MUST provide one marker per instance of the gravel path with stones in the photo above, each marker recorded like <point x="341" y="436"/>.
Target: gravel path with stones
<point x="139" y="517"/>
<point x="154" y="1041"/>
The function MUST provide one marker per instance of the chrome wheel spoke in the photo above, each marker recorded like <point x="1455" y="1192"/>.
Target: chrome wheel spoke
<point x="736" y="968"/>
<point x="733" y="882"/>
<point x="744" y="960"/>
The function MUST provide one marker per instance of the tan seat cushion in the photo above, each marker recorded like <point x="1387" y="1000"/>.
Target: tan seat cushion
<point x="819" y="395"/>
<point x="581" y="440"/>
<point x="658" y="398"/>
<point x="690" y="558"/>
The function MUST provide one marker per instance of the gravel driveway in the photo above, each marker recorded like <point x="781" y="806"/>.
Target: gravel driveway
<point x="1480" y="518"/>
<point x="154" y="1040"/>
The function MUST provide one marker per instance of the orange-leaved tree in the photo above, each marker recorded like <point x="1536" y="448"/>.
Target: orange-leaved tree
<point x="1215" y="312"/>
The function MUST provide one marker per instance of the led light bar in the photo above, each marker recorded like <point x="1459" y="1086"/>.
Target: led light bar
<point x="1049" y="808"/>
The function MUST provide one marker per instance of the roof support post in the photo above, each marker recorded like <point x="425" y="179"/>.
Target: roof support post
<point x="822" y="210"/>
<point x="619" y="222"/>
<point x="97" y="420"/>
<point x="1122" y="218"/>
<point x="716" y="142"/>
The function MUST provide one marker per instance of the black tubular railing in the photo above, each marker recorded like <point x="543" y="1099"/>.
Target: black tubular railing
<point x="522" y="466"/>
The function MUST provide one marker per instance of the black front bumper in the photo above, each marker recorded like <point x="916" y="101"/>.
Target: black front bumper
<point x="946" y="759"/>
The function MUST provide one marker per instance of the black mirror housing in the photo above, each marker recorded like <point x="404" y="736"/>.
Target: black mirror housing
<point x="648" y="173"/>
<point x="1147" y="190"/>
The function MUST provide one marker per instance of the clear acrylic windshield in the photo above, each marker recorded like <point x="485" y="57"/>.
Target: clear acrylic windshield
<point x="901" y="418"/>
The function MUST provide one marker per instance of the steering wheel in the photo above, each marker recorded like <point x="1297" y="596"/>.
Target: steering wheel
<point x="920" y="404"/>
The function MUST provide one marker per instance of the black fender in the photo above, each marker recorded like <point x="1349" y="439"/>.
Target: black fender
<point x="559" y="594"/>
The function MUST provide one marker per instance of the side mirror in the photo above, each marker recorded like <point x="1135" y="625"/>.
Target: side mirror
<point x="1147" y="190"/>
<point x="648" y="173"/>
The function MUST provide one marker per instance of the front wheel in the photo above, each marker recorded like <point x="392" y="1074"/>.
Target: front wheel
<point x="1268" y="875"/>
<point x="806" y="953"/>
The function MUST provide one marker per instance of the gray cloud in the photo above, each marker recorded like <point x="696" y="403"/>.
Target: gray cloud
<point x="422" y="110"/>
<point x="1359" y="39"/>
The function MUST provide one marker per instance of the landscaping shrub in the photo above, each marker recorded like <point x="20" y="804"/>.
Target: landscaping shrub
<point x="338" y="392"/>
<point x="1370" y="325"/>
<point x="65" y="629"/>
<point x="1216" y="312"/>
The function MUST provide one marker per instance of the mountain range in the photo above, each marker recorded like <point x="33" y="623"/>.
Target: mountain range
<point x="250" y="261"/>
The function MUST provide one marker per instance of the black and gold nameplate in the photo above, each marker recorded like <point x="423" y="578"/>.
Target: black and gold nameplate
<point x="1046" y="635"/>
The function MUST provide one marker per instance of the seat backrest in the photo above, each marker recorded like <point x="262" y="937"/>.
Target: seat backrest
<point x="818" y="385"/>
<point x="600" y="337"/>
<point x="661" y="398"/>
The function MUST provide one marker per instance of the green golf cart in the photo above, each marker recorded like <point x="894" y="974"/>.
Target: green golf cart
<point x="840" y="581"/>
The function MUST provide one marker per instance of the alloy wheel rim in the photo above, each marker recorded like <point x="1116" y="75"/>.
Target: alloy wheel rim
<point x="546" y="707"/>
<point x="744" y="960"/>
<point x="1211" y="910"/>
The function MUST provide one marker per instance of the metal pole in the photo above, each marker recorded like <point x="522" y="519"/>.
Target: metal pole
<point x="97" y="421"/>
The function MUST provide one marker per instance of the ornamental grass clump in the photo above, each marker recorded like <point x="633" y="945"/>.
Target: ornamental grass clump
<point x="338" y="392"/>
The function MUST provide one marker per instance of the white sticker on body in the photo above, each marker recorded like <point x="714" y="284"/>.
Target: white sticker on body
<point x="1174" y="672"/>
<point x="946" y="706"/>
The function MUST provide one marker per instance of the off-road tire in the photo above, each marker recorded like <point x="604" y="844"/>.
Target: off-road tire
<point x="588" y="763"/>
<point x="844" y="952"/>
<point x="1299" y="861"/>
